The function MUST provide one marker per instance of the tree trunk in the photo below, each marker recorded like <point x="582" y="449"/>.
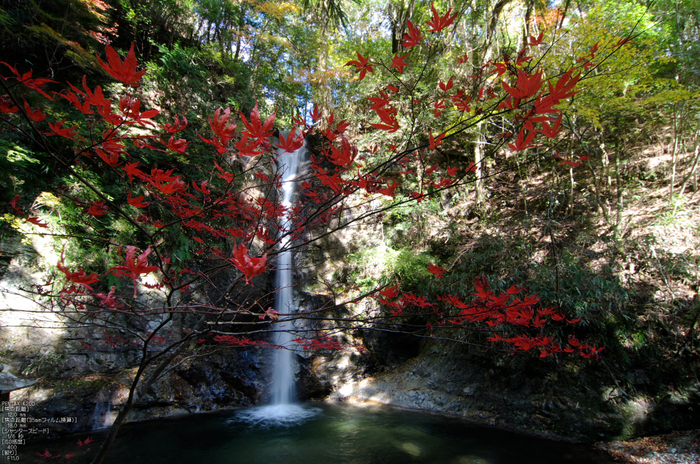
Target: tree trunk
<point x="479" y="163"/>
<point x="136" y="392"/>
<point x="693" y="170"/>
<point x="674" y="155"/>
<point x="619" y="197"/>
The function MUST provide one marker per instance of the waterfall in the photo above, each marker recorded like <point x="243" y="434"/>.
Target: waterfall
<point x="102" y="416"/>
<point x="282" y="409"/>
<point x="282" y="389"/>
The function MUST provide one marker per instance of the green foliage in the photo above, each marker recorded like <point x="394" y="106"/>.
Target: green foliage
<point x="409" y="223"/>
<point x="179" y="61"/>
<point x="562" y="278"/>
<point x="26" y="172"/>
<point x="386" y="264"/>
<point x="412" y="269"/>
<point x="624" y="81"/>
<point x="5" y="18"/>
<point x="679" y="20"/>
<point x="44" y="365"/>
<point x="675" y="213"/>
<point x="583" y="291"/>
<point x="58" y="35"/>
<point x="250" y="52"/>
<point x="15" y="158"/>
<point x="76" y="52"/>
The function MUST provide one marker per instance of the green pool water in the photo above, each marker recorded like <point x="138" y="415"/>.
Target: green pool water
<point x="333" y="434"/>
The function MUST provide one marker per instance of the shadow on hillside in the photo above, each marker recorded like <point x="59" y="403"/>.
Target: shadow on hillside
<point x="619" y="298"/>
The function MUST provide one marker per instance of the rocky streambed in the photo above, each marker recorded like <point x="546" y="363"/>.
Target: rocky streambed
<point x="681" y="447"/>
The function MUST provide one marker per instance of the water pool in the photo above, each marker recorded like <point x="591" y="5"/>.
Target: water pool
<point x="335" y="434"/>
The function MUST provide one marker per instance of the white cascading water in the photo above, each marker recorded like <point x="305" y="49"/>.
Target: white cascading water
<point x="282" y="409"/>
<point x="102" y="415"/>
<point x="282" y="392"/>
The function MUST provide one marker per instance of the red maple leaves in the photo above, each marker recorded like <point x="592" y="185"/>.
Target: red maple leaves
<point x="531" y="103"/>
<point x="137" y="202"/>
<point x="226" y="201"/>
<point x="134" y="266"/>
<point x="526" y="86"/>
<point x="233" y="340"/>
<point x="413" y="37"/>
<point x="48" y="455"/>
<point x="387" y="112"/>
<point x="362" y="65"/>
<point x="437" y="271"/>
<point x="79" y="277"/>
<point x="344" y="155"/>
<point x="399" y="63"/>
<point x="253" y="141"/>
<point x="437" y="23"/>
<point x="28" y="81"/>
<point x="248" y="265"/>
<point x="7" y="106"/>
<point x="256" y="128"/>
<point x="535" y="106"/>
<point x="320" y="343"/>
<point x="58" y="129"/>
<point x="222" y="128"/>
<point x="124" y="71"/>
<point x="35" y="115"/>
<point x="505" y="311"/>
<point x="292" y="142"/>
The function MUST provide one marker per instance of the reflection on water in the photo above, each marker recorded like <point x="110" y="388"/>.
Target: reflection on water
<point x="337" y="434"/>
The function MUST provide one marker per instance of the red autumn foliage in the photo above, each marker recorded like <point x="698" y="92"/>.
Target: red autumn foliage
<point x="292" y="142"/>
<point x="79" y="277"/>
<point x="438" y="22"/>
<point x="36" y="221"/>
<point x="399" y="63"/>
<point x="123" y="71"/>
<point x="507" y="310"/>
<point x="413" y="37"/>
<point x="249" y="266"/>
<point x="437" y="271"/>
<point x="233" y="340"/>
<point x="320" y="343"/>
<point x="362" y="65"/>
<point x="134" y="265"/>
<point x="256" y="128"/>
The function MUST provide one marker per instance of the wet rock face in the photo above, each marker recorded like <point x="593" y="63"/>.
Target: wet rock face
<point x="64" y="414"/>
<point x="314" y="381"/>
<point x="227" y="379"/>
<point x="320" y="372"/>
<point x="85" y="372"/>
<point x="223" y="380"/>
<point x="389" y="350"/>
<point x="323" y="373"/>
